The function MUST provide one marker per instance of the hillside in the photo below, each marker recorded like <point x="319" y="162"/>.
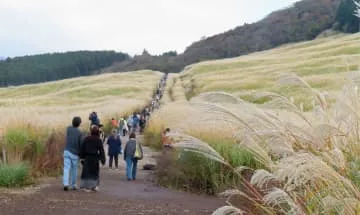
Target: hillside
<point x="303" y="21"/>
<point x="56" y="66"/>
<point x="324" y="63"/>
<point x="55" y="103"/>
<point x="291" y="139"/>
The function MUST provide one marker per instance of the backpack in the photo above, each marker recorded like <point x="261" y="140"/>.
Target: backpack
<point x="138" y="154"/>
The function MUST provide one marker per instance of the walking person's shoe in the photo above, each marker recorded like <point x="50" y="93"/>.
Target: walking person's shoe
<point x="66" y="188"/>
<point x="96" y="189"/>
<point x="74" y="188"/>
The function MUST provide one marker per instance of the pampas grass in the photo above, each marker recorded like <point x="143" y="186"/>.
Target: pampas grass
<point x="307" y="162"/>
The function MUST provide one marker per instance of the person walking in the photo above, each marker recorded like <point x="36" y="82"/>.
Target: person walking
<point x="92" y="151"/>
<point x="94" y="119"/>
<point x="166" y="140"/>
<point x="142" y="124"/>
<point x="130" y="122"/>
<point x="135" y="122"/>
<point x="114" y="123"/>
<point x="123" y="127"/>
<point x="71" y="154"/>
<point x="114" y="148"/>
<point x="132" y="153"/>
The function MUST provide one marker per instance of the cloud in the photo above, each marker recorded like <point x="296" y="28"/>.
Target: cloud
<point x="38" y="26"/>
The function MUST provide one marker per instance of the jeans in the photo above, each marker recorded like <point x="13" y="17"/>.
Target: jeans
<point x="70" y="168"/>
<point x="113" y="157"/>
<point x="131" y="166"/>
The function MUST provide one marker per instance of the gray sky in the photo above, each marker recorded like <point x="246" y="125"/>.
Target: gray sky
<point x="41" y="26"/>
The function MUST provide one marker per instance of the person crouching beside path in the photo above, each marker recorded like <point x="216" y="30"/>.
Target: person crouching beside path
<point x="71" y="154"/>
<point x="132" y="153"/>
<point x="114" y="143"/>
<point x="92" y="151"/>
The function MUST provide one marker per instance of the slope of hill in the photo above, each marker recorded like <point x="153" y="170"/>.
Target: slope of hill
<point x="303" y="21"/>
<point x="294" y="153"/>
<point x="324" y="63"/>
<point x="50" y="67"/>
<point x="55" y="103"/>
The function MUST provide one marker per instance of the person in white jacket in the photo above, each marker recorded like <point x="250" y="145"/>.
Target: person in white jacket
<point x="123" y="127"/>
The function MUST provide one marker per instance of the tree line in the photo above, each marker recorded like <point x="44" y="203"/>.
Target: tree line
<point x="345" y="20"/>
<point x="56" y="66"/>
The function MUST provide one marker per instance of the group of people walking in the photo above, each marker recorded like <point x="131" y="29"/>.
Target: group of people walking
<point x="89" y="151"/>
<point x="139" y="120"/>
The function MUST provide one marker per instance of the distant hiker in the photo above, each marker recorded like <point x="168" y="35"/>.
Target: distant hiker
<point x="71" y="154"/>
<point x="166" y="140"/>
<point x="142" y="123"/>
<point x="146" y="113"/>
<point x="135" y="122"/>
<point x="94" y="119"/>
<point x="138" y="114"/>
<point x="114" y="148"/>
<point x="123" y="127"/>
<point x="153" y="104"/>
<point x="114" y="123"/>
<point x="130" y="122"/>
<point x="92" y="151"/>
<point x="132" y="153"/>
<point x="101" y="132"/>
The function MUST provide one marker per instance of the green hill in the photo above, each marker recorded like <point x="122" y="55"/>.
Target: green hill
<point x="50" y="67"/>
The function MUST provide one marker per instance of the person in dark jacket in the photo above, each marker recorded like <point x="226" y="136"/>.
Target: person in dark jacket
<point x="94" y="119"/>
<point x="71" y="154"/>
<point x="142" y="124"/>
<point x="131" y="158"/>
<point x="92" y="151"/>
<point x="114" y="143"/>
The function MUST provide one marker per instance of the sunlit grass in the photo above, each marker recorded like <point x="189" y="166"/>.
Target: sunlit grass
<point x="55" y="103"/>
<point x="329" y="59"/>
<point x="34" y="117"/>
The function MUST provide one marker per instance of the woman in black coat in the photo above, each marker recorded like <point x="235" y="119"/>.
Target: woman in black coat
<point x="92" y="151"/>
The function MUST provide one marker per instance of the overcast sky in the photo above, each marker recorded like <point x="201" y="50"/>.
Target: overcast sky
<point x="41" y="26"/>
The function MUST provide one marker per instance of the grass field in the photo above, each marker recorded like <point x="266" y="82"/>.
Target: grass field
<point x="35" y="117"/>
<point x="55" y="103"/>
<point x="279" y="129"/>
<point x="324" y="63"/>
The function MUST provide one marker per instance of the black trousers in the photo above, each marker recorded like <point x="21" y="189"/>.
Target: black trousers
<point x="124" y="132"/>
<point x="113" y="157"/>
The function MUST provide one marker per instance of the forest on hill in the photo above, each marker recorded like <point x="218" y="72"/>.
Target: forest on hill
<point x="303" y="21"/>
<point x="56" y="66"/>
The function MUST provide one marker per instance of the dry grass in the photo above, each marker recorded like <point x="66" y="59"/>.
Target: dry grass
<point x="308" y="159"/>
<point x="324" y="63"/>
<point x="55" y="103"/>
<point x="295" y="108"/>
<point x="35" y="116"/>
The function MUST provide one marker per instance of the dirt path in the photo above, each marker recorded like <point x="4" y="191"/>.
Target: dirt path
<point x="116" y="196"/>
